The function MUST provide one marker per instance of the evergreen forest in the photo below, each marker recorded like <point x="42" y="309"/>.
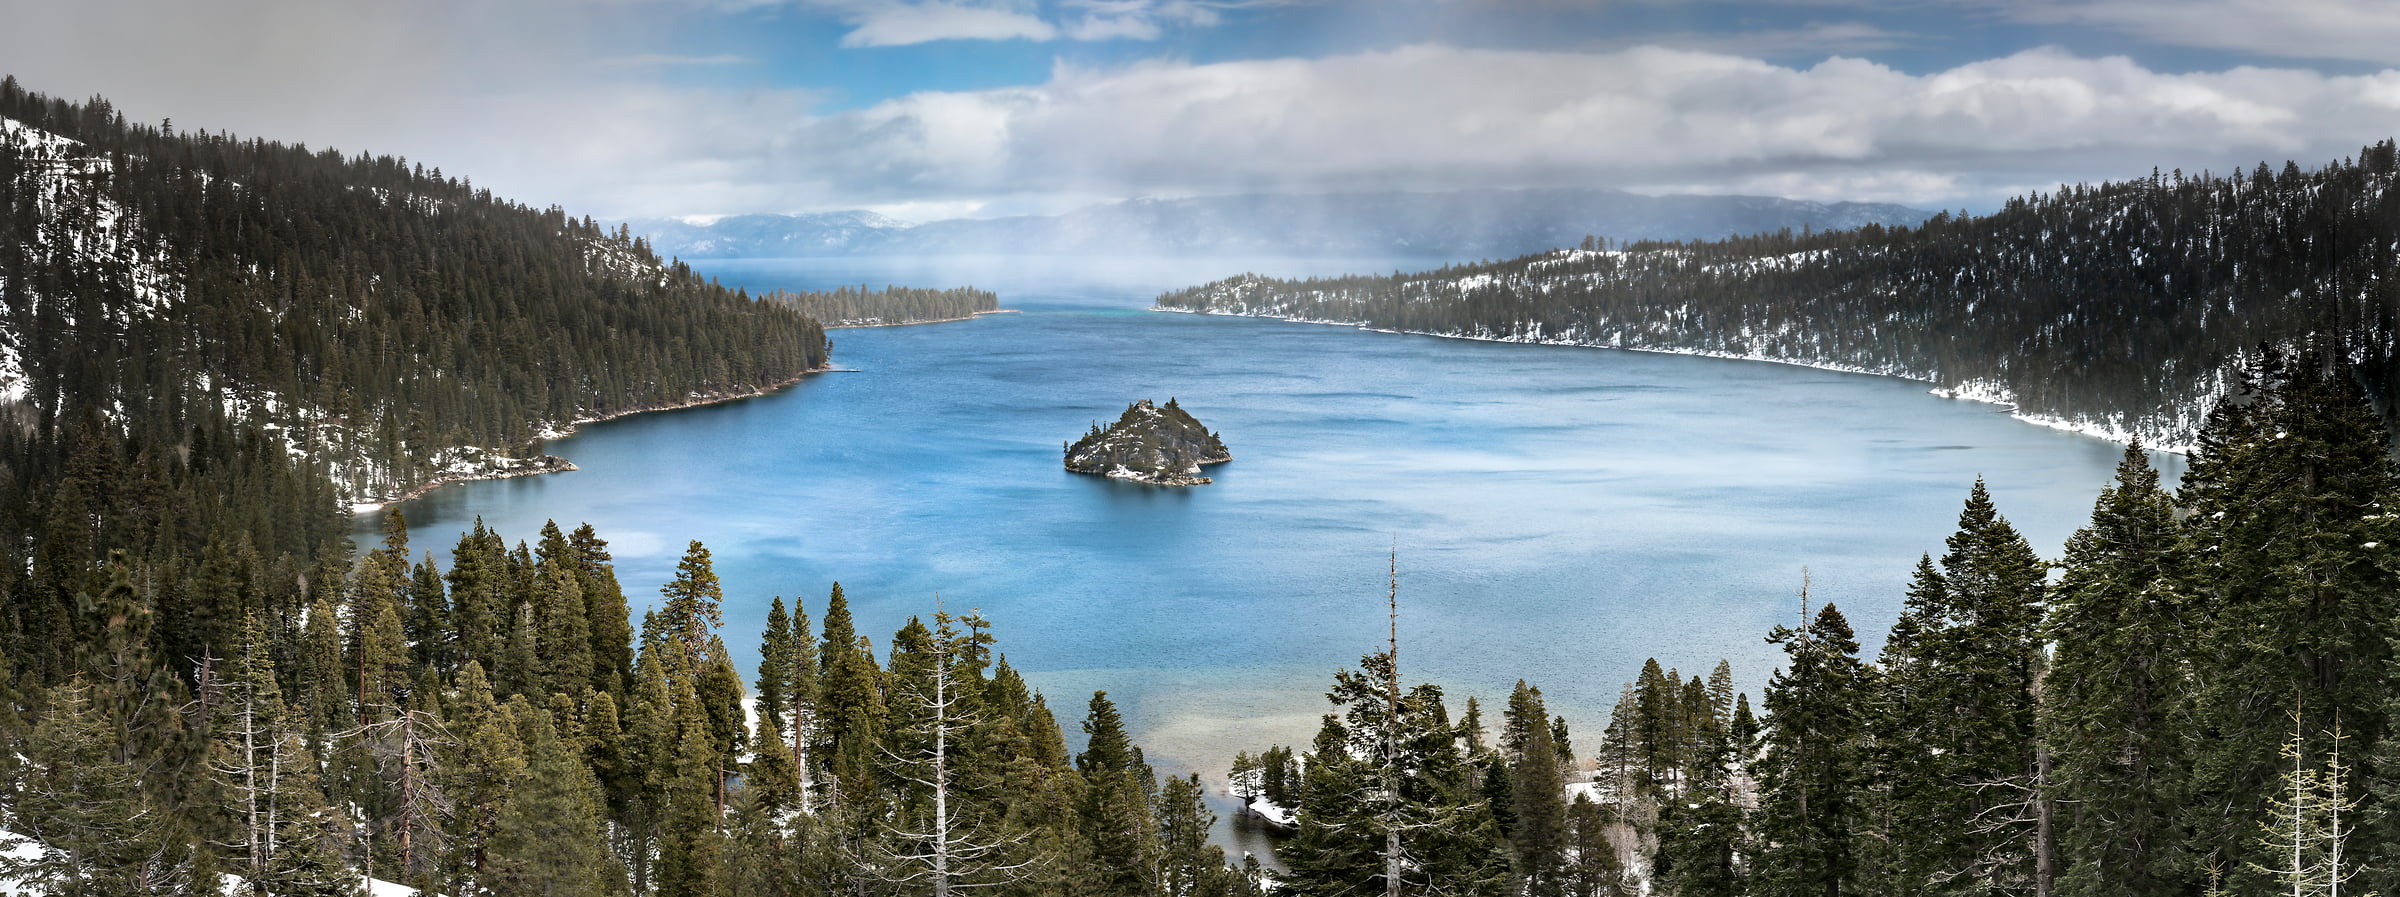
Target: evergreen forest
<point x="2123" y="309"/>
<point x="218" y="299"/>
<point x="861" y="306"/>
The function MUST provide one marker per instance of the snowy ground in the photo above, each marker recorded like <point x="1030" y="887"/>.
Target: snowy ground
<point x="18" y="849"/>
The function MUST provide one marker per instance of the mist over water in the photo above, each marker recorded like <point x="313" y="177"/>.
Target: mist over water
<point x="1560" y="514"/>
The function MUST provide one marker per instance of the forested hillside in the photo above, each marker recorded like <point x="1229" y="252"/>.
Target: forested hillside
<point x="379" y="321"/>
<point x="500" y="727"/>
<point x="861" y="306"/>
<point x="2120" y="309"/>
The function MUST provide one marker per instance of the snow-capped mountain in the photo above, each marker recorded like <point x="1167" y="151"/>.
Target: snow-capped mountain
<point x="1465" y="224"/>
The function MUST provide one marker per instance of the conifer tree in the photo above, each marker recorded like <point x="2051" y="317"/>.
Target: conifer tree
<point x="2285" y="495"/>
<point x="1114" y="815"/>
<point x="320" y="679"/>
<point x="690" y="613"/>
<point x="647" y="764"/>
<point x="2112" y="693"/>
<point x="1337" y="848"/>
<point x="547" y="840"/>
<point x="774" y="661"/>
<point x="611" y="628"/>
<point x="487" y="761"/>
<point x="285" y="845"/>
<point x="1592" y="868"/>
<point x="851" y="698"/>
<point x="428" y="628"/>
<point x="1189" y="866"/>
<point x="1963" y="666"/>
<point x="1538" y="842"/>
<point x="691" y="842"/>
<point x="1809" y="819"/>
<point x="479" y="595"/>
<point x="93" y="829"/>
<point x="564" y="645"/>
<point x="941" y="838"/>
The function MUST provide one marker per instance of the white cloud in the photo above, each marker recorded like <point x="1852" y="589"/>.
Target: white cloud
<point x="1435" y="117"/>
<point x="519" y="106"/>
<point x="1431" y="117"/>
<point x="891" y="24"/>
<point x="887" y="23"/>
<point x="2356" y="30"/>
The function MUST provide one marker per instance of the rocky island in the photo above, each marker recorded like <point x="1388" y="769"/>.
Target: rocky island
<point x="1158" y="444"/>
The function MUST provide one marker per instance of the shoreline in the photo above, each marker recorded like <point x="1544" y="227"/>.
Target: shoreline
<point x="969" y="317"/>
<point x="549" y="463"/>
<point x="1964" y="393"/>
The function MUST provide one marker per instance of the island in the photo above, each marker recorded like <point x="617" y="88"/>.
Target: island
<point x="1157" y="444"/>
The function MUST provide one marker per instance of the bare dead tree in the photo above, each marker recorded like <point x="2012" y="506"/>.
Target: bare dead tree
<point x="406" y="742"/>
<point x="951" y="852"/>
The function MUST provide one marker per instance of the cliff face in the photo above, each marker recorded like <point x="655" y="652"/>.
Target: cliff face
<point x="1158" y="444"/>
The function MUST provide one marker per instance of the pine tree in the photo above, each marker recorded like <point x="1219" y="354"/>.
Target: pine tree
<point x="547" y="840"/>
<point x="1592" y="868"/>
<point x="851" y="698"/>
<point x="647" y="765"/>
<point x="1114" y="815"/>
<point x="941" y="838"/>
<point x="691" y="842"/>
<point x="611" y="628"/>
<point x="479" y="595"/>
<point x="690" y="614"/>
<point x="2112" y="692"/>
<point x="1337" y="847"/>
<point x="1809" y="819"/>
<point x="2286" y="495"/>
<point x="1188" y="865"/>
<point x="377" y="643"/>
<point x="285" y="846"/>
<point x="564" y="645"/>
<point x="774" y="663"/>
<point x="486" y="762"/>
<point x="1538" y="842"/>
<point x="1962" y="671"/>
<point x="428" y="628"/>
<point x="93" y="829"/>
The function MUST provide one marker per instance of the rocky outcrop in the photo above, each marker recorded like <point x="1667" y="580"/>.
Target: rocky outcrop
<point x="1158" y="444"/>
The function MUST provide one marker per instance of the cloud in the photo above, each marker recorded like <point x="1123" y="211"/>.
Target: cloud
<point x="892" y="24"/>
<point x="2354" y="30"/>
<point x="1433" y="117"/>
<point x="521" y="102"/>
<point x="1427" y="118"/>
<point x="1814" y="39"/>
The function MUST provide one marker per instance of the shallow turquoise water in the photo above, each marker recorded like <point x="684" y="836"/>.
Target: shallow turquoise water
<point x="1560" y="514"/>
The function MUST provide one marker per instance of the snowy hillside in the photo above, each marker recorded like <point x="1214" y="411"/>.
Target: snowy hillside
<point x="2124" y="310"/>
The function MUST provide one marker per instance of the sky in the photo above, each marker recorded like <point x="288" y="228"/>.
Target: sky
<point x="927" y="109"/>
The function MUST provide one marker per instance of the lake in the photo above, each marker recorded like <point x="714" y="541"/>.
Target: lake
<point x="1559" y="514"/>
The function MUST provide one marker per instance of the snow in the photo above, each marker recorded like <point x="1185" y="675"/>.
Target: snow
<point x="1275" y="814"/>
<point x="1533" y="334"/>
<point x="18" y="848"/>
<point x="377" y="887"/>
<point x="15" y="848"/>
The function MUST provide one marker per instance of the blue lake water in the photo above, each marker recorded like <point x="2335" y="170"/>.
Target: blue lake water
<point x="1560" y="514"/>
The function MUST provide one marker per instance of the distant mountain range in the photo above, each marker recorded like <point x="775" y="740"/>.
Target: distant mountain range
<point x="1467" y="224"/>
